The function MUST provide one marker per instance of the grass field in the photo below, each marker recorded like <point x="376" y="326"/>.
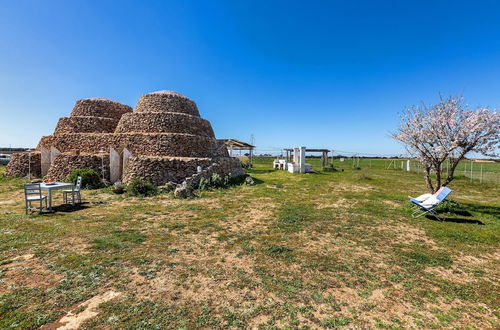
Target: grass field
<point x="487" y="172"/>
<point x="331" y="249"/>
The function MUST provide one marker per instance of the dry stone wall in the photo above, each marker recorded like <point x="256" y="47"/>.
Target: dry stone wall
<point x="81" y="124"/>
<point x="164" y="122"/>
<point x="19" y="165"/>
<point x="160" y="171"/>
<point x="166" y="101"/>
<point x="99" y="107"/>
<point x="148" y="144"/>
<point x="64" y="163"/>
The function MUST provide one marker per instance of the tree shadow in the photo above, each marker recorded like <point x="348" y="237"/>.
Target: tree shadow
<point x="451" y="207"/>
<point x="455" y="220"/>
<point x="485" y="209"/>
<point x="460" y="212"/>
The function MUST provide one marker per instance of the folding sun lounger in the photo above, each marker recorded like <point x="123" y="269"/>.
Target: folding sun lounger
<point x="428" y="202"/>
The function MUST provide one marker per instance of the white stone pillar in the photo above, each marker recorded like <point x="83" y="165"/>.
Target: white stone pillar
<point x="408" y="165"/>
<point x="302" y="159"/>
<point x="295" y="155"/>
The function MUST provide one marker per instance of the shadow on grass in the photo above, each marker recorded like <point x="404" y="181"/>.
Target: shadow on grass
<point x="464" y="209"/>
<point x="68" y="208"/>
<point x="257" y="181"/>
<point x="455" y="220"/>
<point x="485" y="209"/>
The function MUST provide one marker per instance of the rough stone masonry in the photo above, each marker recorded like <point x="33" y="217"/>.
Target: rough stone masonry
<point x="163" y="140"/>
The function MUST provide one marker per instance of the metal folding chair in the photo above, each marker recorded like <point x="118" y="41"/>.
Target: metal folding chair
<point x="429" y="204"/>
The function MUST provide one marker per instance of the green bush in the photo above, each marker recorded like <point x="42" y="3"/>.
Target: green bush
<point x="215" y="181"/>
<point x="90" y="178"/>
<point x="142" y="188"/>
<point x="245" y="162"/>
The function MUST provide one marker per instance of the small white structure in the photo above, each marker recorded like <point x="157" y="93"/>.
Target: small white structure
<point x="280" y="164"/>
<point x="299" y="164"/>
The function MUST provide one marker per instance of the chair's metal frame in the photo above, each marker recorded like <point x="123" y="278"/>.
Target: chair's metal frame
<point x="417" y="208"/>
<point x="34" y="189"/>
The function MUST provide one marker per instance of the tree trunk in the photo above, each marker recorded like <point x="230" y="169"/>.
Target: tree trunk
<point x="438" y="178"/>
<point x="428" y="179"/>
<point x="450" y="178"/>
<point x="453" y="166"/>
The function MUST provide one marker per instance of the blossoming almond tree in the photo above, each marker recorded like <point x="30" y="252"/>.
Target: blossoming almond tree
<point x="447" y="130"/>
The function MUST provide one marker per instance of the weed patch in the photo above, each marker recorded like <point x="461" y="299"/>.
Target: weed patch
<point x="119" y="239"/>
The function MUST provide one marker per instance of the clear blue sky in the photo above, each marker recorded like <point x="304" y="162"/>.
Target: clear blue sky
<point x="314" y="73"/>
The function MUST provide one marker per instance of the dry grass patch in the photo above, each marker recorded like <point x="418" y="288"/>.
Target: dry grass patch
<point x="26" y="271"/>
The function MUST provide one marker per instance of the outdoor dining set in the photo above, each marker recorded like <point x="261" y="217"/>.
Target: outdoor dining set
<point x="33" y="194"/>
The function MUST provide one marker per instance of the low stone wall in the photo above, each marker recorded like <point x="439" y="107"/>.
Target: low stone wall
<point x="99" y="107"/>
<point x="19" y="165"/>
<point x="161" y="170"/>
<point x="147" y="144"/>
<point x="221" y="166"/>
<point x="81" y="124"/>
<point x="164" y="122"/>
<point x="166" y="101"/>
<point x="65" y="163"/>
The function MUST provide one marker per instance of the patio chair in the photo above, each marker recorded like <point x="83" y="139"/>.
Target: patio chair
<point x="427" y="203"/>
<point x="75" y="191"/>
<point x="33" y="193"/>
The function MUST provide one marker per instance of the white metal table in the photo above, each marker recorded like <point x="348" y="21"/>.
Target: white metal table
<point x="49" y="187"/>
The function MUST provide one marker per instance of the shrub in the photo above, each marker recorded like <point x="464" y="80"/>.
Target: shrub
<point x="90" y="178"/>
<point x="168" y="187"/>
<point x="215" y="181"/>
<point x="141" y="188"/>
<point x="245" y="162"/>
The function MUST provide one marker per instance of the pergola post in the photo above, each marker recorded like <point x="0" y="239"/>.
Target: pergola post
<point x="250" y="158"/>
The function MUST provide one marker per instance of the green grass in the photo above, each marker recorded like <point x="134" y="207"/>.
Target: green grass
<point x="332" y="249"/>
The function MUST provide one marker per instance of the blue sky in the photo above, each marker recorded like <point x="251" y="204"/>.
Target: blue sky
<point x="318" y="73"/>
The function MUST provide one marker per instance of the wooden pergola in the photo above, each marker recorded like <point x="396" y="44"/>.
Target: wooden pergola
<point x="233" y="144"/>
<point x="324" y="154"/>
